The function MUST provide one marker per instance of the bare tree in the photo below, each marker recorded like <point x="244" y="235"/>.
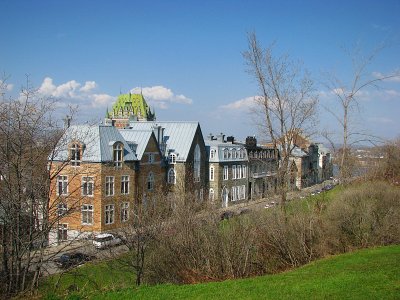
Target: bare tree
<point x="286" y="105"/>
<point x="29" y="136"/>
<point x="347" y="94"/>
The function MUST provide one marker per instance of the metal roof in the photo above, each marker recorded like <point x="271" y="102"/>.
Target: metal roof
<point x="137" y="139"/>
<point x="97" y="142"/>
<point x="178" y="136"/>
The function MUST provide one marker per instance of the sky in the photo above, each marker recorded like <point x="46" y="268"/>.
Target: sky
<point x="186" y="56"/>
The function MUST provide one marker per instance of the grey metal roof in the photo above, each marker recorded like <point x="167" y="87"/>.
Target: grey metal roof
<point x="298" y="152"/>
<point x="177" y="135"/>
<point x="97" y="141"/>
<point x="220" y="146"/>
<point x="138" y="139"/>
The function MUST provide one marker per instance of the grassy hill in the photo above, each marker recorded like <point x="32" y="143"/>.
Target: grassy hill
<point x="366" y="274"/>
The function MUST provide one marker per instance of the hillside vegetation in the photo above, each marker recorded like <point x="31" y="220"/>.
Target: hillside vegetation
<point x="365" y="274"/>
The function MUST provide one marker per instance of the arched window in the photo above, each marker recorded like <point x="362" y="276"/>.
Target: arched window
<point x="171" y="176"/>
<point x="172" y="158"/>
<point x="75" y="154"/>
<point x="212" y="172"/>
<point x="241" y="153"/>
<point x="150" y="181"/>
<point x="197" y="161"/>
<point x="211" y="194"/>
<point x="234" y="154"/>
<point x="117" y="154"/>
<point x="212" y="153"/>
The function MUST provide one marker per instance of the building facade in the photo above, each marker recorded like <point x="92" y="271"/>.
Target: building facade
<point x="228" y="170"/>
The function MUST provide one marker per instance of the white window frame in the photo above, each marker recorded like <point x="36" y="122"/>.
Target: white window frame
<point x="172" y="158"/>
<point x="76" y="154"/>
<point x="244" y="171"/>
<point x="118" y="151"/>
<point x="226" y="173"/>
<point x="125" y="184"/>
<point x="109" y="211"/>
<point x="124" y="211"/>
<point x="110" y="186"/>
<point x="87" y="186"/>
<point x="62" y="190"/>
<point x="212" y="153"/>
<point x="234" y="172"/>
<point x="239" y="171"/>
<point x="226" y="153"/>
<point x="87" y="214"/>
<point x="212" y="173"/>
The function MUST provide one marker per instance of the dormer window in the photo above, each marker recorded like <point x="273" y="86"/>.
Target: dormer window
<point x="172" y="158"/>
<point x="75" y="154"/>
<point x="226" y="153"/>
<point x="117" y="154"/>
<point x="212" y="153"/>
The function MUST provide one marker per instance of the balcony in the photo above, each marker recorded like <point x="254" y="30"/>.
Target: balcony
<point x="263" y="174"/>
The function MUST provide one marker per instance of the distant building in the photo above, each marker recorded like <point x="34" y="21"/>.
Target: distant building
<point x="129" y="107"/>
<point x="228" y="170"/>
<point x="263" y="165"/>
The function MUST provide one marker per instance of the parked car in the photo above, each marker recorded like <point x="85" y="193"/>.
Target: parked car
<point x="72" y="259"/>
<point x="105" y="240"/>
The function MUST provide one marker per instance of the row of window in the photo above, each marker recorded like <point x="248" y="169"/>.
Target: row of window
<point x="229" y="153"/>
<point x="237" y="193"/>
<point x="262" y="154"/>
<point x="238" y="172"/>
<point x="88" y="185"/>
<point x="87" y="212"/>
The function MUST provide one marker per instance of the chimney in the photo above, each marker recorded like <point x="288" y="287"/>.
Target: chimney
<point x="113" y="123"/>
<point x="230" y="139"/>
<point x="251" y="141"/>
<point x="210" y="137"/>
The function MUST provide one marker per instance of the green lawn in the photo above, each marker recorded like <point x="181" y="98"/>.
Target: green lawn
<point x="366" y="274"/>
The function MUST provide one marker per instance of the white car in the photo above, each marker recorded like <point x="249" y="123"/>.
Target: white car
<point x="105" y="240"/>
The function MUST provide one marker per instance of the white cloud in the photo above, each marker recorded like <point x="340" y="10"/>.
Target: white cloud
<point x="241" y="104"/>
<point x="7" y="86"/>
<point x="161" y="96"/>
<point x="89" y="85"/>
<point x="72" y="92"/>
<point x="395" y="77"/>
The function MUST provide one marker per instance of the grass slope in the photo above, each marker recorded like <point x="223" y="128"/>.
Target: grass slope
<point x="366" y="274"/>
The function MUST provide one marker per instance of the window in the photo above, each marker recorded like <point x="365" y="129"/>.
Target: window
<point x="201" y="194"/>
<point x="172" y="158"/>
<point x="212" y="153"/>
<point x="196" y="165"/>
<point x="87" y="186"/>
<point x="226" y="170"/>
<point x="62" y="185"/>
<point x="151" y="158"/>
<point x="117" y="152"/>
<point x="150" y="181"/>
<point x="124" y="211"/>
<point x="109" y="214"/>
<point x="62" y="233"/>
<point x="212" y="172"/>
<point x="75" y="155"/>
<point x="226" y="153"/>
<point x="62" y="209"/>
<point x="125" y="185"/>
<point x="244" y="171"/>
<point x="234" y="193"/>
<point x="109" y="185"/>
<point x="234" y="154"/>
<point x="242" y="192"/>
<point x="233" y="172"/>
<point x="241" y="153"/>
<point x="239" y="172"/>
<point x="211" y="194"/>
<point x="171" y="176"/>
<point x="87" y="214"/>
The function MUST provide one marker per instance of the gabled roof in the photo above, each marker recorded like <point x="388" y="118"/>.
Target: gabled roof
<point x="97" y="142"/>
<point x="128" y="104"/>
<point x="178" y="136"/>
<point x="137" y="139"/>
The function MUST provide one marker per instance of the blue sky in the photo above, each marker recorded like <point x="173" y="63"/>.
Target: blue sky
<point x="186" y="56"/>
